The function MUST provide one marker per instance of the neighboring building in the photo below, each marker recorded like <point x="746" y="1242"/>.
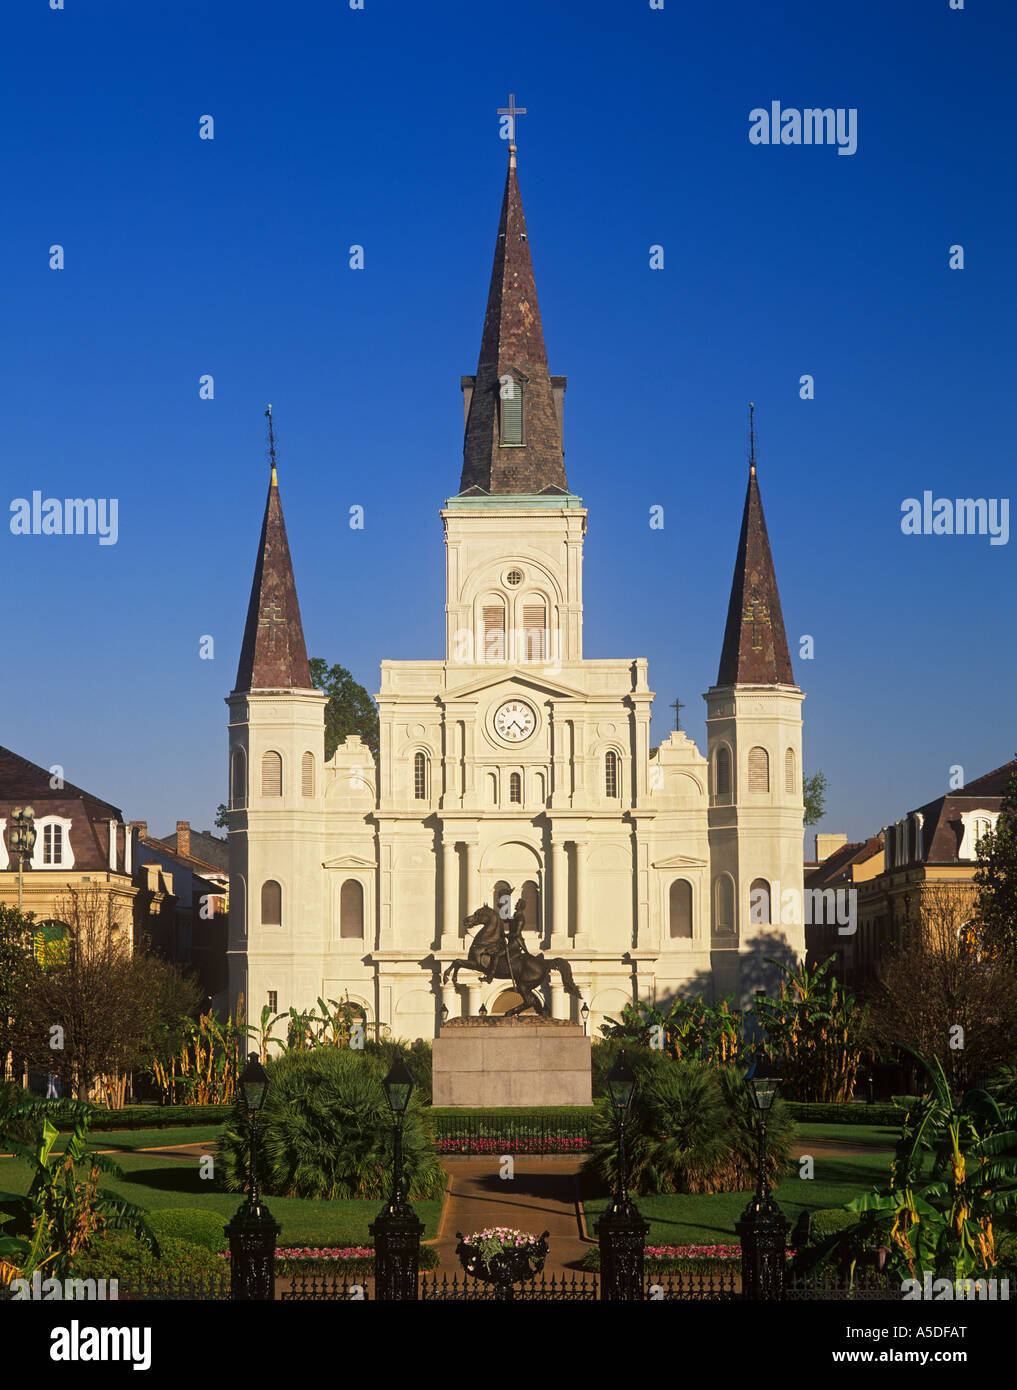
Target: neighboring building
<point x="831" y="927"/>
<point x="928" y="849"/>
<point x="80" y="839"/>
<point x="184" y="904"/>
<point x="512" y="760"/>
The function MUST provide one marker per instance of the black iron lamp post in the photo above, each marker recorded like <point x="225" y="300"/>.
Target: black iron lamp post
<point x="253" y="1231"/>
<point x="621" y="1230"/>
<point x="396" y="1229"/>
<point x="762" y="1229"/>
<point x="21" y="838"/>
<point x="585" y="1013"/>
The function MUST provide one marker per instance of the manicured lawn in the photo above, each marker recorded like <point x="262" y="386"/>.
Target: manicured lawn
<point x="867" y="1136"/>
<point x="128" y="1140"/>
<point x="709" y="1220"/>
<point x="154" y="1183"/>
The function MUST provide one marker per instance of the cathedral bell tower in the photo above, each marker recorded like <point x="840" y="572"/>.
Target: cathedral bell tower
<point x="754" y="736"/>
<point x="276" y="752"/>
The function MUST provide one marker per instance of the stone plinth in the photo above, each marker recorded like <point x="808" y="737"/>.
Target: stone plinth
<point x="521" y="1061"/>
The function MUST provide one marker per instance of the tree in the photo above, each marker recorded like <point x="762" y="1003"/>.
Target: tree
<point x="938" y="995"/>
<point x="221" y="821"/>
<point x="350" y="710"/>
<point x="813" y="1032"/>
<point x="17" y="969"/>
<point x="93" y="1015"/>
<point x="814" y="797"/>
<point x="996" y="879"/>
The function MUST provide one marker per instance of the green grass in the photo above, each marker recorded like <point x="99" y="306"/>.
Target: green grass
<point x="709" y="1220"/>
<point x="128" y="1140"/>
<point x="867" y="1136"/>
<point x="153" y="1183"/>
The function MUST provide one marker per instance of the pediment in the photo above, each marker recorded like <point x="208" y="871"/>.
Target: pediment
<point x="505" y="675"/>
<point x="349" y="861"/>
<point x="679" y="861"/>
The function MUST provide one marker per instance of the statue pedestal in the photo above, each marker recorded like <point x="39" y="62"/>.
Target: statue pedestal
<point x="521" y="1061"/>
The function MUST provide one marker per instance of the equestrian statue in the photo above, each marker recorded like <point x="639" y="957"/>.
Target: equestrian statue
<point x="498" y="952"/>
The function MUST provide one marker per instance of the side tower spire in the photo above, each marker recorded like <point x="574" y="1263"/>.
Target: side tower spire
<point x="273" y="655"/>
<point x="754" y="737"/>
<point x="513" y="406"/>
<point x="755" y="648"/>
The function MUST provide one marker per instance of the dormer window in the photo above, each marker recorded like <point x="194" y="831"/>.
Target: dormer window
<point x="510" y="402"/>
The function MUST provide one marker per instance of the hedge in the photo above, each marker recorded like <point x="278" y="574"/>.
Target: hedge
<point x="155" y="1117"/>
<point x="845" y="1113"/>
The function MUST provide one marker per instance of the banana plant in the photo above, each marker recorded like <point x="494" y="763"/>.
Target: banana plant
<point x="61" y="1211"/>
<point x="954" y="1175"/>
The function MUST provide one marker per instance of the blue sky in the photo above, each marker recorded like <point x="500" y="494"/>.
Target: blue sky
<point x="378" y="127"/>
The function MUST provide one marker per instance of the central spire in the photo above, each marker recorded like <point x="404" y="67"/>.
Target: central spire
<point x="513" y="438"/>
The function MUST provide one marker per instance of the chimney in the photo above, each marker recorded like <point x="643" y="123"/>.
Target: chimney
<point x="827" y="845"/>
<point x="141" y="826"/>
<point x="183" y="837"/>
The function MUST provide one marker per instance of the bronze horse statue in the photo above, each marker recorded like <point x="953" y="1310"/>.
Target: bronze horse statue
<point x="498" y="952"/>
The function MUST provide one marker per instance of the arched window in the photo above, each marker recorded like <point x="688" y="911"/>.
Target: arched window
<point x="789" y="772"/>
<point x="516" y="788"/>
<point x="492" y="632"/>
<point x="271" y="903"/>
<point x="534" y="631"/>
<point x="723" y="770"/>
<point x="531" y="906"/>
<point x="759" y="901"/>
<point x="501" y="899"/>
<point x="307" y="775"/>
<point x="420" y="778"/>
<point x="351" y="909"/>
<point x="510" y="400"/>
<point x="759" y="770"/>
<point x="611" y="773"/>
<point x="238" y="778"/>
<point x="723" y="904"/>
<point x="271" y="774"/>
<point x="507" y="999"/>
<point x="680" y="909"/>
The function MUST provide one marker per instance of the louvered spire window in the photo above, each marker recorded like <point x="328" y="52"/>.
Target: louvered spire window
<point x="511" y="402"/>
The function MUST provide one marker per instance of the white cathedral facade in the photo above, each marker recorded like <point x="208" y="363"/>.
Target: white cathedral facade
<point x="510" y="761"/>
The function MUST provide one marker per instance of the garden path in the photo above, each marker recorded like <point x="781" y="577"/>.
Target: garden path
<point x="541" y="1196"/>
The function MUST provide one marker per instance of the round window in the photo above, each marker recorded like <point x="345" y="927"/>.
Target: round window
<point x="514" y="577"/>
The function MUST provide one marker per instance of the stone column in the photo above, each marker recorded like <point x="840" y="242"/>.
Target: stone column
<point x="450" y="999"/>
<point x="473" y="896"/>
<point x="559" y="897"/>
<point x="474" y="999"/>
<point x="560" y="1001"/>
<point x="450" y="896"/>
<point x="582" y="941"/>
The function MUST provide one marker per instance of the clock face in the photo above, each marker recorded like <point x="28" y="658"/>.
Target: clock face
<point x="515" y="720"/>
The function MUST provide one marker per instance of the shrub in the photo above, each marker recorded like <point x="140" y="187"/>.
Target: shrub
<point x="691" y="1129"/>
<point x="827" y="1221"/>
<point x="326" y="1132"/>
<point x="189" y="1224"/>
<point x="416" y="1055"/>
<point x="121" y="1255"/>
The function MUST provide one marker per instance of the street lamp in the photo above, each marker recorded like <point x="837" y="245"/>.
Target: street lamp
<point x="621" y="1230"/>
<point x="396" y="1229"/>
<point x="762" y="1228"/>
<point x="21" y="838"/>
<point x="585" y="1013"/>
<point x="253" y="1230"/>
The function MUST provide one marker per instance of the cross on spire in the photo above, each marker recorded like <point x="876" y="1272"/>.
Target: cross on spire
<point x="271" y="443"/>
<point x="677" y="706"/>
<point x="511" y="111"/>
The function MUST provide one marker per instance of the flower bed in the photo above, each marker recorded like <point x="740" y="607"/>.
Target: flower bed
<point x="351" y="1259"/>
<point x="686" y="1259"/>
<point x="515" y="1144"/>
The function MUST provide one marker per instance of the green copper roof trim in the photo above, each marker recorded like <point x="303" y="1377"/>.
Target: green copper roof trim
<point x="515" y="501"/>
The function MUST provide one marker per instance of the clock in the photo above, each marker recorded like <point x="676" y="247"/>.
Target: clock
<point x="514" y="721"/>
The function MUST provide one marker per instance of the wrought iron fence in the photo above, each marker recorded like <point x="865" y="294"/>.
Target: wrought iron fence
<point x="461" y="1288"/>
<point x="327" y="1288"/>
<point x="720" y="1285"/>
<point x="538" y="1134"/>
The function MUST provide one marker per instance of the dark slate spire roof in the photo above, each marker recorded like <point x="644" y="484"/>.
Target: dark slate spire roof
<point x="273" y="656"/>
<point x="513" y="342"/>
<point x="755" y="647"/>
